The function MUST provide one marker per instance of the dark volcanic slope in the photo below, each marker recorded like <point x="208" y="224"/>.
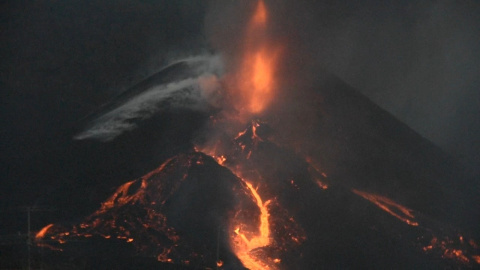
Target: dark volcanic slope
<point x="363" y="189"/>
<point x="177" y="71"/>
<point x="177" y="214"/>
<point x="343" y="226"/>
<point x="180" y="213"/>
<point x="360" y="145"/>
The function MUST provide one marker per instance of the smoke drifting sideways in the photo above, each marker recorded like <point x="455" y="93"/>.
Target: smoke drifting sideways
<point x="190" y="83"/>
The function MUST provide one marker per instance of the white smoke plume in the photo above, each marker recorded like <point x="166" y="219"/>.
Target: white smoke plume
<point x="196" y="90"/>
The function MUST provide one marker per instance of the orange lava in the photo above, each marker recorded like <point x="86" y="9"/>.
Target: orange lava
<point x="454" y="250"/>
<point x="43" y="231"/>
<point x="321" y="185"/>
<point x="221" y="159"/>
<point x="476" y="258"/>
<point x="254" y="82"/>
<point x="317" y="174"/>
<point x="399" y="211"/>
<point x="455" y="254"/>
<point x="243" y="248"/>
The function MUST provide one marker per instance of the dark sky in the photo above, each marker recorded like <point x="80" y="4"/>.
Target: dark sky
<point x="60" y="60"/>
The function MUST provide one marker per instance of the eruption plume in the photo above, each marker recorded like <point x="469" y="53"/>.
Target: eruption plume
<point x="253" y="85"/>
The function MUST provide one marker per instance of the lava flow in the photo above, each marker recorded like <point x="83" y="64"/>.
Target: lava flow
<point x="43" y="231"/>
<point x="404" y="214"/>
<point x="243" y="248"/>
<point x="259" y="243"/>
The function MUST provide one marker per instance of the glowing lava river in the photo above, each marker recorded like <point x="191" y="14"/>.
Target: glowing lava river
<point x="244" y="246"/>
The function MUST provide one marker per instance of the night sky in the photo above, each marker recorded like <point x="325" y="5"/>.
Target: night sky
<point x="61" y="60"/>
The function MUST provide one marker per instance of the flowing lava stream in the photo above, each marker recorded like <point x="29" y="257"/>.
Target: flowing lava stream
<point x="43" y="231"/>
<point x="253" y="86"/>
<point x="243" y="249"/>
<point x="399" y="211"/>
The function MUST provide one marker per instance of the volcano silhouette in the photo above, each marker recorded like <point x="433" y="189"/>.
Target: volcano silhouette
<point x="348" y="186"/>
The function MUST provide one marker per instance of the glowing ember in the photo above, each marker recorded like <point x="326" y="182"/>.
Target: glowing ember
<point x="432" y="244"/>
<point x="221" y="159"/>
<point x="120" y="196"/>
<point x="399" y="211"/>
<point x="43" y="231"/>
<point x="317" y="175"/>
<point x="453" y="249"/>
<point x="455" y="254"/>
<point x="321" y="185"/>
<point x="476" y="258"/>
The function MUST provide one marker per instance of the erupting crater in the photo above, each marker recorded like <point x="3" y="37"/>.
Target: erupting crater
<point x="286" y="192"/>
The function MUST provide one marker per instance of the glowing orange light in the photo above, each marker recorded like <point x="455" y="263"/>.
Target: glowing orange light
<point x="221" y="159"/>
<point x="455" y="254"/>
<point x="43" y="231"/>
<point x="321" y="185"/>
<point x="242" y="249"/>
<point x="476" y="258"/>
<point x="404" y="214"/>
<point x="260" y="16"/>
<point x="254" y="82"/>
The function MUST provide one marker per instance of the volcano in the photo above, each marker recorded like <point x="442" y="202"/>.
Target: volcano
<point x="279" y="174"/>
<point x="361" y="188"/>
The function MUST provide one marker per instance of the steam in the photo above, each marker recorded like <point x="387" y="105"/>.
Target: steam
<point x="197" y="92"/>
<point x="121" y="119"/>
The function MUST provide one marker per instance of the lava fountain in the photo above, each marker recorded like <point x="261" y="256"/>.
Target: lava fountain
<point x="252" y="86"/>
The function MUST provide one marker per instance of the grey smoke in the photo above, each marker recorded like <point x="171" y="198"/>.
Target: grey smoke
<point x="196" y="93"/>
